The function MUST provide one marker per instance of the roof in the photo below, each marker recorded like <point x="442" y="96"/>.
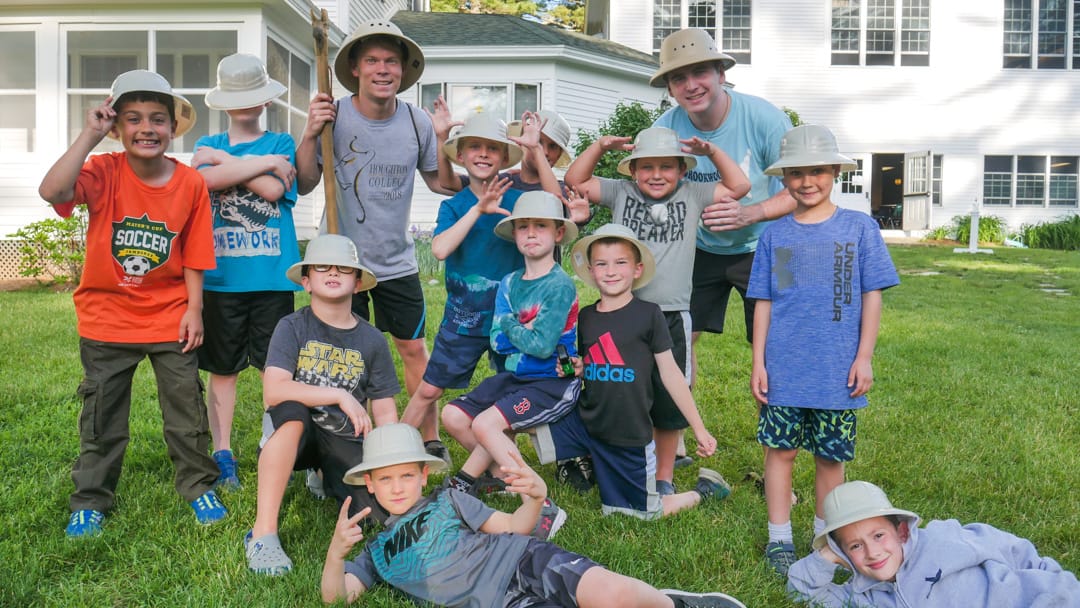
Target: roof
<point x="460" y="29"/>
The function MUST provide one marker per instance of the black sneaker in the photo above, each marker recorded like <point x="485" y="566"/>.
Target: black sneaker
<point x="681" y="462"/>
<point x="781" y="556"/>
<point x="570" y="472"/>
<point x="711" y="485"/>
<point x="684" y="599"/>
<point x="488" y="485"/>
<point x="437" y="449"/>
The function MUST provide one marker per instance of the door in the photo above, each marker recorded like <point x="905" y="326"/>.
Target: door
<point x="852" y="189"/>
<point x="917" y="183"/>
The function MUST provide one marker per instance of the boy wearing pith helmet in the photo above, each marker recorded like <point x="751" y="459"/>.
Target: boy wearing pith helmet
<point x="140" y="294"/>
<point x="945" y="564"/>
<point x="818" y="276"/>
<point x="324" y="366"/>
<point x="450" y="549"/>
<point x="536" y="311"/>
<point x="251" y="178"/>
<point x="662" y="209"/>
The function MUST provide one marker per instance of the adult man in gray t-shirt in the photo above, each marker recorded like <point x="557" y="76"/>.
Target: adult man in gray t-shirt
<point x="379" y="143"/>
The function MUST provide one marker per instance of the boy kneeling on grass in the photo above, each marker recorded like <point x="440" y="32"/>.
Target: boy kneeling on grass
<point x="451" y="549"/>
<point x="896" y="563"/>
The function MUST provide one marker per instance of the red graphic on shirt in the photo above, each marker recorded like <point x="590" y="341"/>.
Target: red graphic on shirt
<point x="528" y="314"/>
<point x="604" y="351"/>
<point x="522" y="406"/>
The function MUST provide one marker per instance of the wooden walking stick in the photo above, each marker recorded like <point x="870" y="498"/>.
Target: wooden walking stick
<point x="319" y="27"/>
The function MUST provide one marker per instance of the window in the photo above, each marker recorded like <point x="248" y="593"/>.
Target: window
<point x="727" y="21"/>
<point x="1030" y="181"/>
<point x="18" y="111"/>
<point x="505" y="101"/>
<point x="935" y="181"/>
<point x="881" y="32"/>
<point x="851" y="182"/>
<point x="288" y="113"/>
<point x="187" y="59"/>
<point x="1037" y="34"/>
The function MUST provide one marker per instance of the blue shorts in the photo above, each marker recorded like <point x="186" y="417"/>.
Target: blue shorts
<point x="546" y="576"/>
<point x="454" y="358"/>
<point x="827" y="434"/>
<point x="523" y="402"/>
<point x="626" y="476"/>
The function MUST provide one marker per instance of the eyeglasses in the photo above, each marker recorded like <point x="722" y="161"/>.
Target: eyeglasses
<point x="327" y="267"/>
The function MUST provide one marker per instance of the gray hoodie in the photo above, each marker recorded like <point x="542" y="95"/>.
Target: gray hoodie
<point x="946" y="565"/>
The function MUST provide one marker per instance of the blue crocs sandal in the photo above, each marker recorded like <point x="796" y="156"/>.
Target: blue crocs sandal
<point x="265" y="555"/>
<point x="84" y="523"/>
<point x="208" y="508"/>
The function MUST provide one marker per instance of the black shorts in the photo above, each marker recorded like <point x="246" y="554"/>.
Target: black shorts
<point x="399" y="307"/>
<point x="664" y="413"/>
<point x="714" y="277"/>
<point x="546" y="576"/>
<point x="237" y="328"/>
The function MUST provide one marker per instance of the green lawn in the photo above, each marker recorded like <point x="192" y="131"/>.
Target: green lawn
<point x="973" y="416"/>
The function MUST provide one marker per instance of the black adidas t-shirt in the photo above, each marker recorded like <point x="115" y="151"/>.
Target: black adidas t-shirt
<point x="619" y="350"/>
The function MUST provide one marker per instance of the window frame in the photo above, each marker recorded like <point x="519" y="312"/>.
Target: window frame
<point x="286" y="103"/>
<point x="1019" y="181"/>
<point x="445" y="88"/>
<point x="21" y="93"/>
<point x="726" y="26"/>
<point x="1028" y="45"/>
<point x="880" y="33"/>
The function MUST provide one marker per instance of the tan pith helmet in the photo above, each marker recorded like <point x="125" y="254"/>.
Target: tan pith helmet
<point x="332" y="250"/>
<point x="242" y="82"/>
<point x="412" y="60"/>
<point x="556" y="128"/>
<point x="656" y="142"/>
<point x="579" y="255"/>
<point x="855" y="501"/>
<point x="687" y="47"/>
<point x="145" y="80"/>
<point x="809" y="146"/>
<point x="482" y="126"/>
<point x="391" y="444"/>
<point x="537" y="204"/>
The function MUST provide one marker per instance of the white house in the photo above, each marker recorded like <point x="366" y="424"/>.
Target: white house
<point x="944" y="103"/>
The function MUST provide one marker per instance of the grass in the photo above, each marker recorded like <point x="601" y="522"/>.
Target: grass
<point x="973" y="416"/>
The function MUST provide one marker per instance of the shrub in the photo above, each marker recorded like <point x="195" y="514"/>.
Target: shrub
<point x="53" y="248"/>
<point x="991" y="229"/>
<point x="1063" y="234"/>
<point x="428" y="265"/>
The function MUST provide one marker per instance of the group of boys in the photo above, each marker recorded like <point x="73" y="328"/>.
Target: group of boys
<point x="816" y="278"/>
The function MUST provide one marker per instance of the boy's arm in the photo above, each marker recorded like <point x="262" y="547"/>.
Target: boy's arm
<point x="539" y="335"/>
<point x="810" y="580"/>
<point x="531" y="123"/>
<point x="735" y="184"/>
<point x="522" y="480"/>
<point x="442" y="123"/>
<point x="279" y="386"/>
<point x="579" y="175"/>
<point x="268" y="175"/>
<point x="191" y="325"/>
<point x="675" y="383"/>
<point x="336" y="584"/>
<point x="58" y="185"/>
<point x="308" y="171"/>
<point x="384" y="411"/>
<point x="732" y="215"/>
<point x="861" y="375"/>
<point x="447" y="241"/>
<point x="759" y="378"/>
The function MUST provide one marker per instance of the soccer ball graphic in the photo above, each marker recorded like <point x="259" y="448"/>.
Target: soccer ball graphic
<point x="136" y="265"/>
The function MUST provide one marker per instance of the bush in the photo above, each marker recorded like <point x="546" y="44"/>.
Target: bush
<point x="428" y="265"/>
<point x="53" y="248"/>
<point x="991" y="230"/>
<point x="1063" y="234"/>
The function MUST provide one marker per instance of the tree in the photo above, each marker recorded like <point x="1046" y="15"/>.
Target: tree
<point x="568" y="14"/>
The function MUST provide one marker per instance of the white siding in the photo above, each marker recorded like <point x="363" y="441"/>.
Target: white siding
<point x="631" y="23"/>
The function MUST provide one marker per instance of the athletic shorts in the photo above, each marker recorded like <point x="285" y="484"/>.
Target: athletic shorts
<point x="665" y="414"/>
<point x="333" y="454"/>
<point x="714" y="277"/>
<point x="827" y="434"/>
<point x="626" y="476"/>
<point x="399" y="307"/>
<point x="237" y="328"/>
<point x="547" y="576"/>
<point x="454" y="358"/>
<point x="523" y="402"/>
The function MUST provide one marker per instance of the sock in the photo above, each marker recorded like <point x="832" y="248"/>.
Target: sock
<point x="819" y="525"/>
<point x="462" y="481"/>
<point x="780" y="533"/>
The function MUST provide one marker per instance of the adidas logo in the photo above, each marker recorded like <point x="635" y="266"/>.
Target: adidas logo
<point x="604" y="363"/>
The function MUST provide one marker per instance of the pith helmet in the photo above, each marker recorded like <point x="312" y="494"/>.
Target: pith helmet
<point x="145" y="80"/>
<point x="332" y="250"/>
<point x="392" y="444"/>
<point x="855" y="501"/>
<point x="536" y="205"/>
<point x="580" y="253"/>
<point x="412" y="58"/>
<point x="483" y="126"/>
<point x="809" y="146"/>
<point x="656" y="142"/>
<point x="242" y="82"/>
<point x="687" y="47"/>
<point x="556" y="128"/>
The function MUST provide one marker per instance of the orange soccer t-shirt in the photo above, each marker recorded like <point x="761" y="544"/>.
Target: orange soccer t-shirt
<point x="139" y="240"/>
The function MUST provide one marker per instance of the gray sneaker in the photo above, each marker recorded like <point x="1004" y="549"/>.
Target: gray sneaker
<point x="314" y="485"/>
<point x="265" y="555"/>
<point x="780" y="556"/>
<point x="685" y="599"/>
<point x="551" y="519"/>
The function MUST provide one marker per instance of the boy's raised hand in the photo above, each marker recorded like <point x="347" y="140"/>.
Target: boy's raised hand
<point x="521" y="479"/>
<point x="531" y="123"/>
<point x="347" y="532"/>
<point x="441" y="119"/>
<point x="612" y="142"/>
<point x="696" y="146"/>
<point x="492" y="195"/>
<point x="100" y="120"/>
<point x="577" y="204"/>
